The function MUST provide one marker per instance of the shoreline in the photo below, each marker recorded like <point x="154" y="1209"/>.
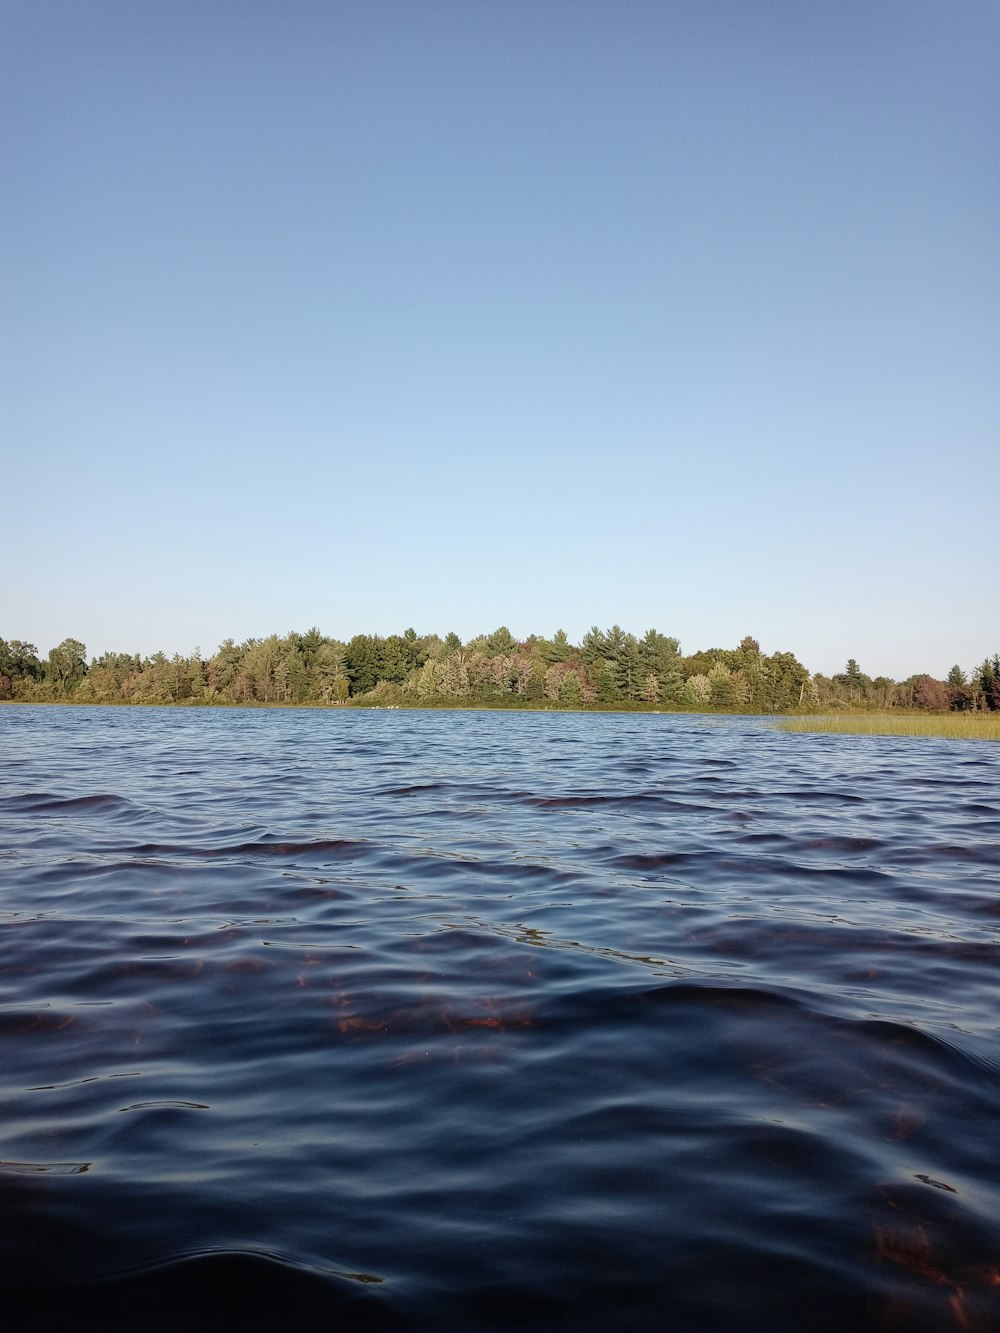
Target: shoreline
<point x="948" y="725"/>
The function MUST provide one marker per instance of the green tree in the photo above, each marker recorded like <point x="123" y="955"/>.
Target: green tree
<point x="363" y="659"/>
<point x="119" y="666"/>
<point x="396" y="662"/>
<point x="857" y="683"/>
<point x="454" y="676"/>
<point x="571" y="691"/>
<point x="728" y="689"/>
<point x="556" y="649"/>
<point x="622" y="656"/>
<point x="220" y="669"/>
<point x="500" y="643"/>
<point x="67" y="664"/>
<point x="631" y="676"/>
<point x="989" y="683"/>
<point x="672" y="689"/>
<point x="310" y="645"/>
<point x="701" y="662"/>
<point x="330" y="665"/>
<point x="417" y="648"/>
<point x="605" y="680"/>
<point x="428" y="681"/>
<point x="697" y="690"/>
<point x="660" y="653"/>
<point x="263" y="672"/>
<point x="182" y="678"/>
<point x="594" y="646"/>
<point x="784" y="685"/>
<point x="883" y="692"/>
<point x="961" y="692"/>
<point x="19" y="659"/>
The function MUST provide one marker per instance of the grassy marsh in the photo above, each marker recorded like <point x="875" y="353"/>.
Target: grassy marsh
<point x="958" y="726"/>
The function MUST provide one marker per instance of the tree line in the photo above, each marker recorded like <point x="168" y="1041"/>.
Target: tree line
<point x="607" y="669"/>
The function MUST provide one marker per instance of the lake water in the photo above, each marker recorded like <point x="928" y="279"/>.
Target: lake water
<point x="330" y="1020"/>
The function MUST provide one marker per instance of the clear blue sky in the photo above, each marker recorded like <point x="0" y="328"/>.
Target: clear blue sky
<point x="377" y="314"/>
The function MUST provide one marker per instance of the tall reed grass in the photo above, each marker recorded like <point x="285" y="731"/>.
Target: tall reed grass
<point x="959" y="726"/>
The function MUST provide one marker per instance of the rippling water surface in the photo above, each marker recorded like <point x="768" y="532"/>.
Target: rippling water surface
<point x="495" y="1021"/>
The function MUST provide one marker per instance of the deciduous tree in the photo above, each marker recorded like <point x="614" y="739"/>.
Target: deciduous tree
<point x="67" y="663"/>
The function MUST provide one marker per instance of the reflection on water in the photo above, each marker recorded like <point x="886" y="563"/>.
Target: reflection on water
<point x="424" y="1021"/>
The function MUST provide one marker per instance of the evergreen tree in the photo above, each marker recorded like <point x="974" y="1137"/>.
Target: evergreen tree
<point x="500" y="642"/>
<point x="594" y="646"/>
<point x="556" y="649"/>
<point x="363" y="662"/>
<point x="605" y="680"/>
<point x="629" y="666"/>
<point x="660" y="653"/>
<point x="570" y="691"/>
<point x="989" y="683"/>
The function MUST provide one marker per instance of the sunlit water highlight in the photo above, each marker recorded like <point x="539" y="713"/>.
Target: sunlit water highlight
<point x="485" y="1021"/>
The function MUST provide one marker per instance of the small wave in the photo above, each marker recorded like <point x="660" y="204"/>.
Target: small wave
<point x="655" y="860"/>
<point x="426" y="865"/>
<point x="819" y="795"/>
<point x="980" y="853"/>
<point x="636" y="801"/>
<point x="46" y="802"/>
<point x="417" y="789"/>
<point x="842" y="844"/>
<point x="710" y="863"/>
<point x="910" y="1040"/>
<point x="326" y="848"/>
<point x="631" y="1005"/>
<point x="217" y="1292"/>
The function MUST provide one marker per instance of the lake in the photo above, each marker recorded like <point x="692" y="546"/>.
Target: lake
<point x="345" y="1020"/>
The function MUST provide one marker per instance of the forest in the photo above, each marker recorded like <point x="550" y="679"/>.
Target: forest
<point x="608" y="669"/>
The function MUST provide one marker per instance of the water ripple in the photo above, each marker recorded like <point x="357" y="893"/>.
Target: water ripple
<point x="495" y="1022"/>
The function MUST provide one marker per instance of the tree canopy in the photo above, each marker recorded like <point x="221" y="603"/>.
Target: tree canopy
<point x="609" y="668"/>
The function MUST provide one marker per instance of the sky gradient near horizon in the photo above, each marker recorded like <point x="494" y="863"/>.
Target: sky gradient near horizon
<point x="537" y="313"/>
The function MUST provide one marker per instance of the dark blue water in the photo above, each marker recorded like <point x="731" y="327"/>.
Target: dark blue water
<point x="485" y="1021"/>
